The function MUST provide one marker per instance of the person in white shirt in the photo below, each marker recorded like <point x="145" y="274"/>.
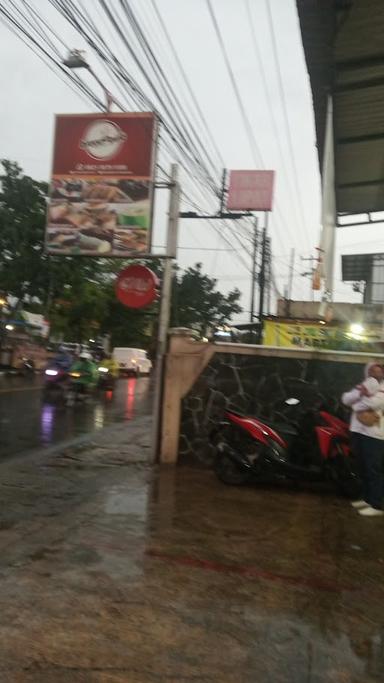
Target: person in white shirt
<point x="368" y="440"/>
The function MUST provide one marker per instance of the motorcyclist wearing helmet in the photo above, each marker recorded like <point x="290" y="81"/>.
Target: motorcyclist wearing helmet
<point x="84" y="371"/>
<point x="63" y="359"/>
<point x="109" y="362"/>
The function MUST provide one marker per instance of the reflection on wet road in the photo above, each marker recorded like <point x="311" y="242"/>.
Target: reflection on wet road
<point x="27" y="421"/>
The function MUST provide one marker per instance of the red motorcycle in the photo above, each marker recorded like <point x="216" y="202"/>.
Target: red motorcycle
<point x="315" y="447"/>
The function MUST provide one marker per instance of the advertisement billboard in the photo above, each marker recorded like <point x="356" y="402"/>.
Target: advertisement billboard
<point x="313" y="335"/>
<point x="250" y="190"/>
<point x="102" y="184"/>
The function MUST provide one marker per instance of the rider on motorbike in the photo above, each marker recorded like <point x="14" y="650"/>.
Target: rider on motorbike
<point x="63" y="359"/>
<point x="84" y="374"/>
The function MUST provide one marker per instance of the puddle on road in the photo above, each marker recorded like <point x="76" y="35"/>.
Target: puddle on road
<point x="28" y="422"/>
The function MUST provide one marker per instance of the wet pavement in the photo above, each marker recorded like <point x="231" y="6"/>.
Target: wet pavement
<point x="27" y="421"/>
<point x="112" y="571"/>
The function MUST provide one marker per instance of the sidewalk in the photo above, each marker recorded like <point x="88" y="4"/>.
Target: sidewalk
<point x="113" y="572"/>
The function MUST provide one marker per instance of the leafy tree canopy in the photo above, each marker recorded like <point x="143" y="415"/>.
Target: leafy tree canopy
<point x="77" y="294"/>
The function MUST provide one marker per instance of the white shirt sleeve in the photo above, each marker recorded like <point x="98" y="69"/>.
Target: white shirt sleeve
<point x="349" y="398"/>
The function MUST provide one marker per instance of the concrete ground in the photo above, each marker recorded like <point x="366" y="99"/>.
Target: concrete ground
<point x="114" y="572"/>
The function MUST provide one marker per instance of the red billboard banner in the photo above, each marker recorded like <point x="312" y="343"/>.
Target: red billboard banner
<point x="102" y="184"/>
<point x="250" y="190"/>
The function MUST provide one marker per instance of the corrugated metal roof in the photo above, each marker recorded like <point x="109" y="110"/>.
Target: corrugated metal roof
<point x="344" y="48"/>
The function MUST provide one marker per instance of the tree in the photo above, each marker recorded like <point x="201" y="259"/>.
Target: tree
<point x="67" y="290"/>
<point x="22" y="220"/>
<point x="197" y="303"/>
<point x="77" y="294"/>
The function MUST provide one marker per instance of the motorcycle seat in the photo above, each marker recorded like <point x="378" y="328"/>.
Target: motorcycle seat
<point x="280" y="427"/>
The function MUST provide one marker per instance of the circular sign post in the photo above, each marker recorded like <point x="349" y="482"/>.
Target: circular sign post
<point x="136" y="286"/>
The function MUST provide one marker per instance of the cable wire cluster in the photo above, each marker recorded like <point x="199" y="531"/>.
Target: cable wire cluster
<point x="138" y="59"/>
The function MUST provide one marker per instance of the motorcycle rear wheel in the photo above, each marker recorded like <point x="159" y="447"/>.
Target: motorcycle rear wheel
<point x="229" y="472"/>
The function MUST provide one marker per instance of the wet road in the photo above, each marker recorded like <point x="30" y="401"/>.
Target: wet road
<point x="28" y="422"/>
<point x="112" y="573"/>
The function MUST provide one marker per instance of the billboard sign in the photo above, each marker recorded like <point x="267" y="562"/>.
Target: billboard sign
<point x="102" y="184"/>
<point x="136" y="286"/>
<point x="250" y="190"/>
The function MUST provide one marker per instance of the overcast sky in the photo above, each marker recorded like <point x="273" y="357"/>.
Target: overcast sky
<point x="32" y="94"/>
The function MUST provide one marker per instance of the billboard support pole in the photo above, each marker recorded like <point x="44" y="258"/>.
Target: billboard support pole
<point x="165" y="306"/>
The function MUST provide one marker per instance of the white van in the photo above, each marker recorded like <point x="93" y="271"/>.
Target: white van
<point x="132" y="361"/>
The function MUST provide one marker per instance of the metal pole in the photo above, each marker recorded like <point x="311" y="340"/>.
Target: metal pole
<point x="253" y="275"/>
<point x="269" y="272"/>
<point x="311" y="278"/>
<point x="262" y="280"/>
<point x="223" y="190"/>
<point x="290" y="281"/>
<point x="165" y="306"/>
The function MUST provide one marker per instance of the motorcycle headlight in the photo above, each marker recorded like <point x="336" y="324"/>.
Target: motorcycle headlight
<point x="51" y="373"/>
<point x="101" y="369"/>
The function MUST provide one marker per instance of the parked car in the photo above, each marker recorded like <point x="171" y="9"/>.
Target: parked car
<point x="132" y="361"/>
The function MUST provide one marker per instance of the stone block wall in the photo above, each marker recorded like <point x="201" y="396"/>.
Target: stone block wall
<point x="258" y="385"/>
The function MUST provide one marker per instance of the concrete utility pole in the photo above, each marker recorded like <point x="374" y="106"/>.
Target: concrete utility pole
<point x="253" y="275"/>
<point x="262" y="279"/>
<point x="290" y="281"/>
<point x="165" y="304"/>
<point x="309" y="274"/>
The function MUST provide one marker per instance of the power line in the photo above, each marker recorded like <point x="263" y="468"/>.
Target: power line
<point x="257" y="158"/>
<point x="285" y="111"/>
<point x="256" y="153"/>
<point x="272" y="116"/>
<point x="119" y="72"/>
<point x="186" y="81"/>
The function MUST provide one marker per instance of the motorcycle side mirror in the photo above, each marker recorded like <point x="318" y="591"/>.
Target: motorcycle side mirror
<point x="292" y="401"/>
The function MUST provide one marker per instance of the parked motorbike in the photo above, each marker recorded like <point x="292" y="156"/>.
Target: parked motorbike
<point x="315" y="448"/>
<point x="27" y="367"/>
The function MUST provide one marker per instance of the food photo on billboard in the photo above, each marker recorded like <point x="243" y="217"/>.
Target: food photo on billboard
<point x="101" y="194"/>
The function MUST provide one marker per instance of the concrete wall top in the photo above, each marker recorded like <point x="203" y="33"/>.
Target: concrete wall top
<point x="305" y="354"/>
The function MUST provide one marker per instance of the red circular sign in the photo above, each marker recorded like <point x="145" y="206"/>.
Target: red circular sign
<point x="136" y="286"/>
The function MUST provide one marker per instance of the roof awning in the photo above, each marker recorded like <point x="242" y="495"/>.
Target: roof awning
<point x="344" y="49"/>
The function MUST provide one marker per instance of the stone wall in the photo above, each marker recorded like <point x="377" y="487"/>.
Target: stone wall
<point x="259" y="385"/>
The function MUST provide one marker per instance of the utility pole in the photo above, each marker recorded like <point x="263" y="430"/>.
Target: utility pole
<point x="165" y="305"/>
<point x="253" y="275"/>
<point x="262" y="280"/>
<point x="269" y="274"/>
<point x="290" y="281"/>
<point x="312" y="261"/>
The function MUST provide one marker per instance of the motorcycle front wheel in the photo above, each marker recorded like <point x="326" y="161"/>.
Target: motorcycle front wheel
<point x="229" y="472"/>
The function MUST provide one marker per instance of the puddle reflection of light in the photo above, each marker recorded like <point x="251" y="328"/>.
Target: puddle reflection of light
<point x="47" y="420"/>
<point x="98" y="418"/>
<point x="131" y="388"/>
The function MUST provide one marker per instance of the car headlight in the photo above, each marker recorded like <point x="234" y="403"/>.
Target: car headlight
<point x="51" y="373"/>
<point x="102" y="369"/>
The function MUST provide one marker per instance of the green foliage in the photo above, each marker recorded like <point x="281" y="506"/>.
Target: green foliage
<point x="77" y="294"/>
<point x="22" y="220"/>
<point x="198" y="304"/>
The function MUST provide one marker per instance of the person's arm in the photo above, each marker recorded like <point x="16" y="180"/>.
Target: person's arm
<point x="375" y="402"/>
<point x="349" y="398"/>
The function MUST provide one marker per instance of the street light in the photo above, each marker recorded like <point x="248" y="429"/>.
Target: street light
<point x="356" y="328"/>
<point x="76" y="60"/>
